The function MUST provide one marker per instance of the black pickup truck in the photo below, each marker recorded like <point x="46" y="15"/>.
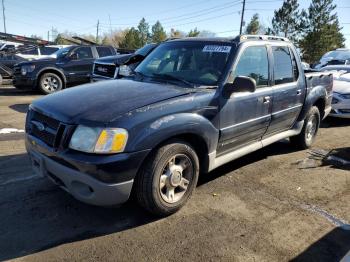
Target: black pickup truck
<point x="193" y="105"/>
<point x="71" y="66"/>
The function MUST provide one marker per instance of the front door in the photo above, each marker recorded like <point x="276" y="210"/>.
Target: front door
<point x="79" y="69"/>
<point x="245" y="116"/>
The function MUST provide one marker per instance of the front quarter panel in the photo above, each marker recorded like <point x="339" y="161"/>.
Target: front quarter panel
<point x="190" y="114"/>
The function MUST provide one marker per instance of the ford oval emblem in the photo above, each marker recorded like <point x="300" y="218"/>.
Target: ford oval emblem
<point x="38" y="125"/>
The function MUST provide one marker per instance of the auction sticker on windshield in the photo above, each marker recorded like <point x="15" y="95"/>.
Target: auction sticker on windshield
<point x="217" y="48"/>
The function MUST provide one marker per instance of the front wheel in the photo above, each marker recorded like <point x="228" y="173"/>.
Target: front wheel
<point x="167" y="179"/>
<point x="50" y="83"/>
<point x="308" y="134"/>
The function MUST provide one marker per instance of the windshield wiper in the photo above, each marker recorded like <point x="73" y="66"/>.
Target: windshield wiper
<point x="171" y="77"/>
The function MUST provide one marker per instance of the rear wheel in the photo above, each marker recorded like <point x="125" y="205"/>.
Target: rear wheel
<point x="167" y="179"/>
<point x="308" y="134"/>
<point x="50" y="83"/>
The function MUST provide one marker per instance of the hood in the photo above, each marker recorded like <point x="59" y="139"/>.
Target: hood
<point x="342" y="87"/>
<point x="104" y="101"/>
<point x="115" y="59"/>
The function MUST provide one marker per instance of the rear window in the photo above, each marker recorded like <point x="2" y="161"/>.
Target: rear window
<point x="283" y="68"/>
<point x="103" y="51"/>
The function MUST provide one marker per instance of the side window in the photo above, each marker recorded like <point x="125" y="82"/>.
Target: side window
<point x="83" y="52"/>
<point x="283" y="69"/>
<point x="254" y="63"/>
<point x="47" y="50"/>
<point x="295" y="66"/>
<point x="30" y="51"/>
<point x="103" y="51"/>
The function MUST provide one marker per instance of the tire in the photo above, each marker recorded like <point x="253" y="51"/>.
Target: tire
<point x="308" y="134"/>
<point x="167" y="179"/>
<point x="50" y="83"/>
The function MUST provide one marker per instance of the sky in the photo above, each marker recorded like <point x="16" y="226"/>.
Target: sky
<point x="37" y="17"/>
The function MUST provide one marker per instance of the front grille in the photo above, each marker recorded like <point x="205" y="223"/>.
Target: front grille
<point x="16" y="70"/>
<point x="45" y="128"/>
<point x="45" y="136"/>
<point x="107" y="70"/>
<point x="50" y="122"/>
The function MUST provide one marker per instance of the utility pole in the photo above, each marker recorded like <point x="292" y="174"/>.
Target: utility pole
<point x="98" y="25"/>
<point x="3" y="15"/>
<point x="242" y="18"/>
<point x="48" y="35"/>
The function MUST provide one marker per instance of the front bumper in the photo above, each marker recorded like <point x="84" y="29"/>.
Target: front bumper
<point x="27" y="82"/>
<point x="85" y="176"/>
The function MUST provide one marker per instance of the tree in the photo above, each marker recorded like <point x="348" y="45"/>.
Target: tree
<point x="253" y="28"/>
<point x="206" y="33"/>
<point x="131" y="39"/>
<point x="193" y="33"/>
<point x="322" y="32"/>
<point x="143" y="29"/>
<point x="286" y="20"/>
<point x="176" y="33"/>
<point x="36" y="36"/>
<point x="158" y="33"/>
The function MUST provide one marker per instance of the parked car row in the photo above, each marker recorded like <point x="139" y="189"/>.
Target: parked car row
<point x="68" y="66"/>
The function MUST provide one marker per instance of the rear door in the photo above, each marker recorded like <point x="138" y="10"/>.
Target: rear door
<point x="245" y="116"/>
<point x="288" y="89"/>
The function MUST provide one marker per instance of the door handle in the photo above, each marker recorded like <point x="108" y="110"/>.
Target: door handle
<point x="266" y="99"/>
<point x="299" y="92"/>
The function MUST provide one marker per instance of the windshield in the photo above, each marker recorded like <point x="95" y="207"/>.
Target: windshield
<point x="62" y="52"/>
<point x="144" y="50"/>
<point x="199" y="63"/>
<point x="336" y="55"/>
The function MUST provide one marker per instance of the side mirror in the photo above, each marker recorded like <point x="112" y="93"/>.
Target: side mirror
<point x="240" y="84"/>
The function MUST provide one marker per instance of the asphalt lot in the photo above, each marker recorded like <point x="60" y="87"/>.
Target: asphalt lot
<point x="277" y="204"/>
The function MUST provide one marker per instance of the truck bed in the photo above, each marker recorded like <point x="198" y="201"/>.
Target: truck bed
<point x="314" y="79"/>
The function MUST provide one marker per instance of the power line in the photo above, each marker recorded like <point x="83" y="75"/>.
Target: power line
<point x="188" y="15"/>
<point x="166" y="11"/>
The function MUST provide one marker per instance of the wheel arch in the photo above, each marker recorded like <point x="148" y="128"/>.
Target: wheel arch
<point x="193" y="129"/>
<point x="51" y="70"/>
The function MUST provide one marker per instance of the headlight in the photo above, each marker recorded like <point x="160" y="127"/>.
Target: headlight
<point x="27" y="69"/>
<point x="124" y="70"/>
<point x="99" y="140"/>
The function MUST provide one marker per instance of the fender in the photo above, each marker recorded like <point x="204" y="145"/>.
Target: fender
<point x="316" y="93"/>
<point x="50" y="68"/>
<point x="169" y="126"/>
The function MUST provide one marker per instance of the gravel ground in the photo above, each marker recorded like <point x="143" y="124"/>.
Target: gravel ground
<point x="276" y="204"/>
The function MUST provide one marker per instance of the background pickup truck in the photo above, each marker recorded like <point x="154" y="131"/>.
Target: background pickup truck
<point x="193" y="105"/>
<point x="70" y="65"/>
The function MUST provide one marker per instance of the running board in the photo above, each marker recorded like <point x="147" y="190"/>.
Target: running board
<point x="215" y="162"/>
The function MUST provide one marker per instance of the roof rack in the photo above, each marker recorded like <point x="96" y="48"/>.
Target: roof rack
<point x="261" y="37"/>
